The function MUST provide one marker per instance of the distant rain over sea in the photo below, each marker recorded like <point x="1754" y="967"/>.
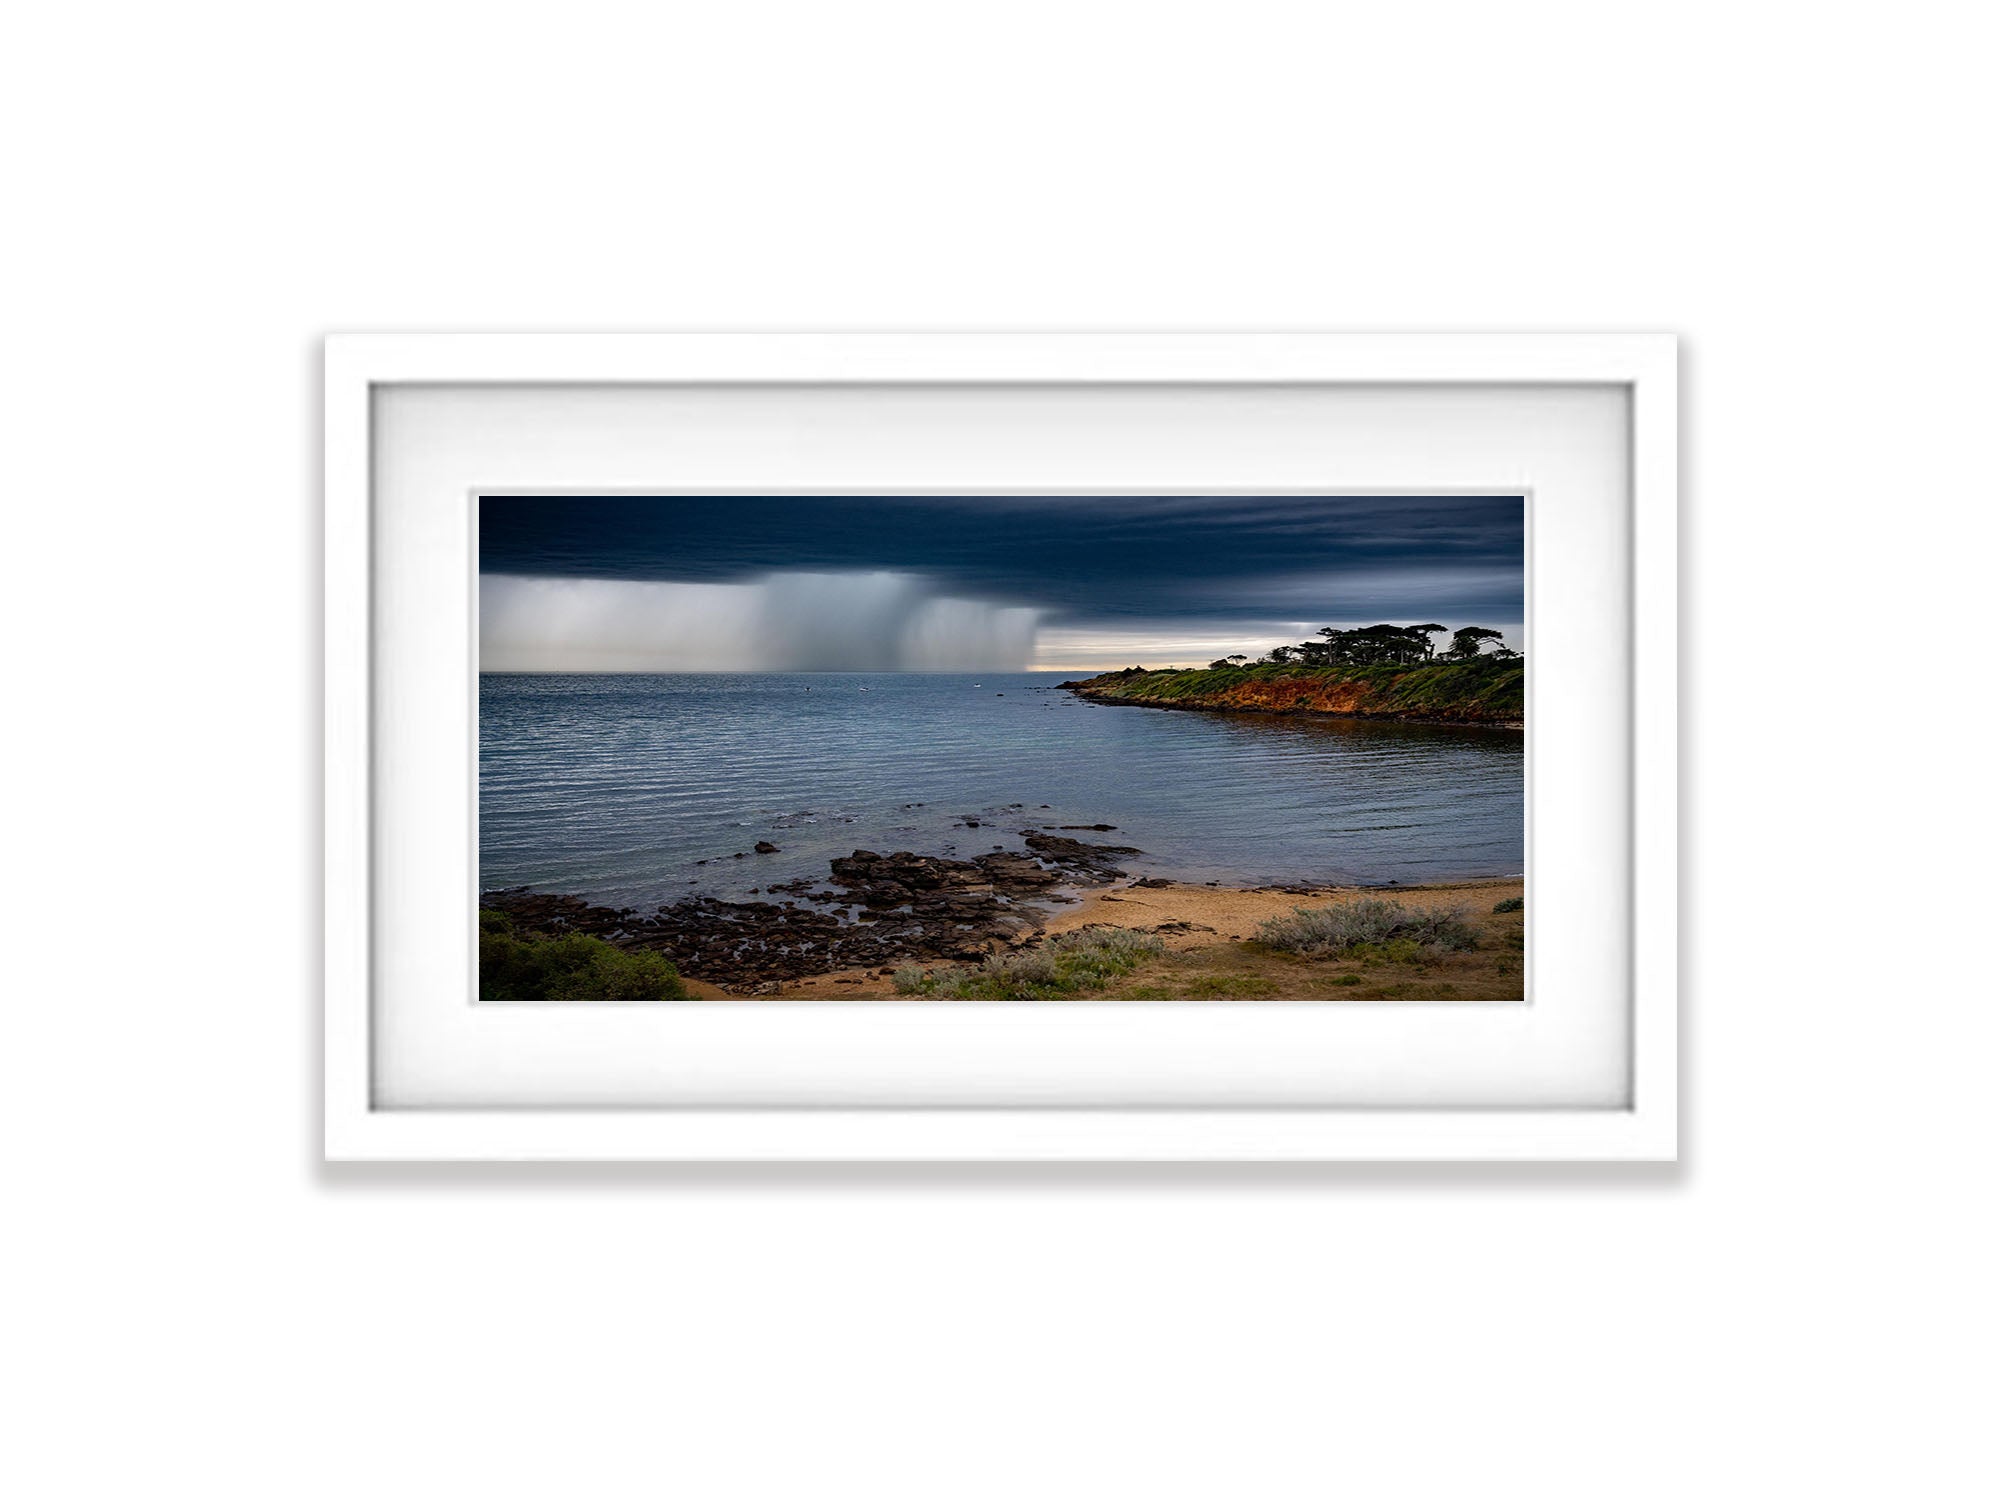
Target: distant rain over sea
<point x="789" y="622"/>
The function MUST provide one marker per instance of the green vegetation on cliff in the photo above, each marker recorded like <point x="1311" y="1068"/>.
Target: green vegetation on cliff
<point x="1483" y="690"/>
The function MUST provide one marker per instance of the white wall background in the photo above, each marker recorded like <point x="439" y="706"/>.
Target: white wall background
<point x="197" y="192"/>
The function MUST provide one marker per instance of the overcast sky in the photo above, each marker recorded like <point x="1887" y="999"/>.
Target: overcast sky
<point x="1092" y="581"/>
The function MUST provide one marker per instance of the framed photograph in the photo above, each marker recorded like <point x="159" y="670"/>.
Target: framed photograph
<point x="1000" y="747"/>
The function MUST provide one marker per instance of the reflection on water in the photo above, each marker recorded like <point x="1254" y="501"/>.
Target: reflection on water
<point x="618" y="786"/>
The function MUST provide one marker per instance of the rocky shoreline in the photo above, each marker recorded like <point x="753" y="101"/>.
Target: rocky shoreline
<point x="874" y="911"/>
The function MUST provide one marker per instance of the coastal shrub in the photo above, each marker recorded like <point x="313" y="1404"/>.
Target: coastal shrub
<point x="1387" y="929"/>
<point x="1229" y="986"/>
<point x="1512" y="903"/>
<point x="512" y="967"/>
<point x="1062" y="967"/>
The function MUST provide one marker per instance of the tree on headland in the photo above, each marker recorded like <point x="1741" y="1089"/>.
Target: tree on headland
<point x="1467" y="643"/>
<point x="1382" y="645"/>
<point x="1371" y="645"/>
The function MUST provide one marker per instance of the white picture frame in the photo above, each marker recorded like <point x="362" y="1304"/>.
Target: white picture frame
<point x="1236" y="1121"/>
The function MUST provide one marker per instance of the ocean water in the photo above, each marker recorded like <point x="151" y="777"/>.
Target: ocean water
<point x="640" y="789"/>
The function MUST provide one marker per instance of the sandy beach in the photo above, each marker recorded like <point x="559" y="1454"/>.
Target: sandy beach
<point x="1209" y="933"/>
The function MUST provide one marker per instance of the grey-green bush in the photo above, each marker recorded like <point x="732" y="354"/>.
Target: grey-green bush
<point x="1055" y="970"/>
<point x="1335" y="931"/>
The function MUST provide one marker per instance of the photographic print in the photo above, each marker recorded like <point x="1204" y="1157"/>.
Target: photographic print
<point x="1001" y="748"/>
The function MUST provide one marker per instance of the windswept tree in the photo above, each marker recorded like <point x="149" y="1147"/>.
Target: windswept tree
<point x="1424" y="633"/>
<point x="1467" y="643"/>
<point x="1319" y="653"/>
<point x="1382" y="645"/>
<point x="1372" y="645"/>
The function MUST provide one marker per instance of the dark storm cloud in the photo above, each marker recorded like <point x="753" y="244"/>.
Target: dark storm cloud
<point x="1111" y="562"/>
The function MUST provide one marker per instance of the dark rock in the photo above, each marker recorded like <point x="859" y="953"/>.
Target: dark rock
<point x="765" y="846"/>
<point x="907" y="906"/>
<point x="1093" y="861"/>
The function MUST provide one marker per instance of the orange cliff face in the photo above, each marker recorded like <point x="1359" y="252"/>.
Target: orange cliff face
<point x="1416" y="695"/>
<point x="1294" y="695"/>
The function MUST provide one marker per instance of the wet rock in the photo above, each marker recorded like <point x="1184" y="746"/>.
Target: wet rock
<point x="1098" y="861"/>
<point x="765" y="846"/>
<point x="1016" y="872"/>
<point x="905" y="906"/>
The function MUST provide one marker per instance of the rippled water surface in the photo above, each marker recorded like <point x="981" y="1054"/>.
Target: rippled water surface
<point x="617" y="787"/>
